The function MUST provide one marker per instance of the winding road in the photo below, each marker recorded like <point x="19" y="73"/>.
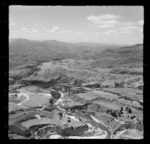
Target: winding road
<point x="107" y="133"/>
<point x="102" y="132"/>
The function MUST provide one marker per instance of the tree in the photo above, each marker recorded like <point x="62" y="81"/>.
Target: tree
<point x="68" y="120"/>
<point x="72" y="127"/>
<point x="78" y="83"/>
<point x="51" y="101"/>
<point x="128" y="110"/>
<point x="60" y="115"/>
<point x="121" y="109"/>
<point x="132" y="117"/>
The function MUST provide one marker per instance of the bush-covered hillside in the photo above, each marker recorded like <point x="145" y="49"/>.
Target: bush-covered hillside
<point x="131" y="56"/>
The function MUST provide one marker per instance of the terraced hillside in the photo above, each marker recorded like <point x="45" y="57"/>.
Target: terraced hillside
<point x="76" y="98"/>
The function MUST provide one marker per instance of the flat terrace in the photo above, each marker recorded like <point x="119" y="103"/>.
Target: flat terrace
<point x="95" y="94"/>
<point x="129" y="92"/>
<point x="55" y="120"/>
<point x="36" y="99"/>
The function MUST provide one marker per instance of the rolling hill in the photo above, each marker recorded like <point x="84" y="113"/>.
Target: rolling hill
<point x="130" y="56"/>
<point x="23" y="51"/>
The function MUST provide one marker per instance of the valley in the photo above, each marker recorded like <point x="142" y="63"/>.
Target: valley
<point x="76" y="98"/>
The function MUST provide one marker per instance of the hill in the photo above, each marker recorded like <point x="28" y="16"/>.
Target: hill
<point x="23" y="51"/>
<point x="130" y="56"/>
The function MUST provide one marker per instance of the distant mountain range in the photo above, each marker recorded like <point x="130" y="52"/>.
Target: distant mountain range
<point x="23" y="51"/>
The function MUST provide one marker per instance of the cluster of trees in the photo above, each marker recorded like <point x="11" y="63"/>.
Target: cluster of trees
<point x="128" y="110"/>
<point x="51" y="101"/>
<point x="139" y="125"/>
<point x="49" y="108"/>
<point x="132" y="117"/>
<point x="60" y="115"/>
<point x="119" y="84"/>
<point x="118" y="113"/>
<point x="13" y="129"/>
<point x="71" y="131"/>
<point x="12" y="112"/>
<point x="78" y="83"/>
<point x="55" y="94"/>
<point x="114" y="113"/>
<point x="125" y="126"/>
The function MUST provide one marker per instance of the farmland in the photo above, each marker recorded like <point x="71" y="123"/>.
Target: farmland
<point x="75" y="96"/>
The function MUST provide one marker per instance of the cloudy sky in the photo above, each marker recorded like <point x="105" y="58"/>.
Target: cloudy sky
<point x="100" y="24"/>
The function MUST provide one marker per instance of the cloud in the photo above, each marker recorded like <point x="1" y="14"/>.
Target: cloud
<point x="34" y="31"/>
<point x="79" y="33"/>
<point x="48" y="30"/>
<point x="140" y="22"/>
<point x="98" y="19"/>
<point x="110" y="32"/>
<point x="65" y="31"/>
<point x="54" y="29"/>
<point x="113" y="25"/>
<point x="127" y="28"/>
<point x="24" y="29"/>
<point x="11" y="24"/>
<point x="14" y="31"/>
<point x="37" y="24"/>
<point x="25" y="7"/>
<point x="104" y="21"/>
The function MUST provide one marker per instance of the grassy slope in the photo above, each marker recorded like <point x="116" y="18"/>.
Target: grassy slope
<point x="131" y="56"/>
<point x="22" y="51"/>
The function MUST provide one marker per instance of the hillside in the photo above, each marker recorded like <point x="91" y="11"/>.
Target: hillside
<point x="131" y="56"/>
<point x="66" y="89"/>
<point x="23" y="51"/>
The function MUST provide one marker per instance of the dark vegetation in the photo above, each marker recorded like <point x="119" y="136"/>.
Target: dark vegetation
<point x="36" y="127"/>
<point x="55" y="94"/>
<point x="23" y="73"/>
<point x="77" y="83"/>
<point x="49" y="108"/>
<point x="74" y="131"/>
<point x="13" y="129"/>
<point x="125" y="71"/>
<point x="138" y="126"/>
<point x="38" y="83"/>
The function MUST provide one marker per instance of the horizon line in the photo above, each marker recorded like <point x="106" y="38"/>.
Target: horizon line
<point x="74" y="42"/>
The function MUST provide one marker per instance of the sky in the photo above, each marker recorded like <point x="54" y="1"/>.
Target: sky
<point x="97" y="24"/>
